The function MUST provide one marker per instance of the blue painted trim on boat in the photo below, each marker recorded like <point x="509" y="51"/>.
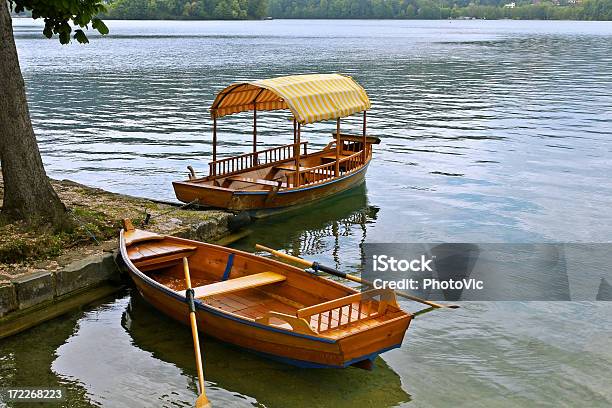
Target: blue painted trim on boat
<point x="372" y="356"/>
<point x="200" y="305"/>
<point x="308" y="364"/>
<point x="228" y="267"/>
<point x="305" y="188"/>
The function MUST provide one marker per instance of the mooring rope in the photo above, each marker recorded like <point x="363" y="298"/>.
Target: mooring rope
<point x="149" y="216"/>
<point x="82" y="224"/>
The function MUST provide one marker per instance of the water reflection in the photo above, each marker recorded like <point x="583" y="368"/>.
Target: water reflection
<point x="25" y="360"/>
<point x="333" y="230"/>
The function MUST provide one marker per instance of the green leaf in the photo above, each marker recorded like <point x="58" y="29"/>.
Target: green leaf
<point x="99" y="25"/>
<point x="80" y="36"/>
<point x="47" y="31"/>
<point x="64" y="37"/>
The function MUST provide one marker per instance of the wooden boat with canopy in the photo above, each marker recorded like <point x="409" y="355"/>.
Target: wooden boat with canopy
<point x="263" y="305"/>
<point x="265" y="181"/>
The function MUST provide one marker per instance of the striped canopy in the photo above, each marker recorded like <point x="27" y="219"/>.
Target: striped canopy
<point x="311" y="98"/>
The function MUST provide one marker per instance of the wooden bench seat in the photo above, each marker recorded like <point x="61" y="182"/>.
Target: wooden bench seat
<point x="289" y="167"/>
<point x="332" y="156"/>
<point x="357" y="138"/>
<point x="237" y="284"/>
<point x="262" y="182"/>
<point x="134" y="236"/>
<point x="155" y="249"/>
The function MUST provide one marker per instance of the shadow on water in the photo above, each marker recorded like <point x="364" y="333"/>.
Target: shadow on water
<point x="272" y="384"/>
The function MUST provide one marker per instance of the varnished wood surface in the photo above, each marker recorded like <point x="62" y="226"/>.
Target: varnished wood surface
<point x="134" y="236"/>
<point x="216" y="192"/>
<point x="152" y="249"/>
<point x="238" y="284"/>
<point x="271" y="298"/>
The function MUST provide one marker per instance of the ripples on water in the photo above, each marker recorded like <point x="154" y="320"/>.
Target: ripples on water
<point x="492" y="131"/>
<point x="488" y="127"/>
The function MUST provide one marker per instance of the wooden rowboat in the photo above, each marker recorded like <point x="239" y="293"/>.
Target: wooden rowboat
<point x="268" y="181"/>
<point x="266" y="306"/>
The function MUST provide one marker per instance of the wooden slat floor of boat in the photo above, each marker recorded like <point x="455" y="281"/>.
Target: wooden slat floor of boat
<point x="152" y="249"/>
<point x="178" y="284"/>
<point x="254" y="303"/>
<point x="251" y="303"/>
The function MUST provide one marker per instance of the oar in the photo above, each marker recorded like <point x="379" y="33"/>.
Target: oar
<point x="318" y="267"/>
<point x="202" y="401"/>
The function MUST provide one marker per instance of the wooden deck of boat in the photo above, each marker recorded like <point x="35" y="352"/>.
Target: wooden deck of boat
<point x="153" y="249"/>
<point x="323" y="323"/>
<point x="254" y="303"/>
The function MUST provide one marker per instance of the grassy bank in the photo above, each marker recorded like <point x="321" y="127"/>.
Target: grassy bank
<point x="97" y="216"/>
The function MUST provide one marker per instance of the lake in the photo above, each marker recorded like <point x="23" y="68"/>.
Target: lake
<point x="492" y="131"/>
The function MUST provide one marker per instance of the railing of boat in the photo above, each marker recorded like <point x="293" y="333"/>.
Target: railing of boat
<point x="251" y="161"/>
<point x="326" y="172"/>
<point x="343" y="312"/>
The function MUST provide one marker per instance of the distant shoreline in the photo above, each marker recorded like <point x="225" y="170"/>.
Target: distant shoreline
<point x="180" y="18"/>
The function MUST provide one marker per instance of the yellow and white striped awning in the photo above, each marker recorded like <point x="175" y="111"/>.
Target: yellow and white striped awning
<point x="311" y="98"/>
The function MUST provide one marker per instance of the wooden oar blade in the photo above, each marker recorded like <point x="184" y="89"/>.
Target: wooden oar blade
<point x="202" y="402"/>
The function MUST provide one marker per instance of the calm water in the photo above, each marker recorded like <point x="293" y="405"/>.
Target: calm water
<point x="493" y="131"/>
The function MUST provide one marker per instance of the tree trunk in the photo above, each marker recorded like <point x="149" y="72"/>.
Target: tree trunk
<point x="28" y="194"/>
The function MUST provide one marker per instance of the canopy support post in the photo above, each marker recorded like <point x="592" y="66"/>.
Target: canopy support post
<point x="364" y="154"/>
<point x="337" y="170"/>
<point x="255" y="160"/>
<point x="214" y="147"/>
<point x="294" y="131"/>
<point x="296" y="152"/>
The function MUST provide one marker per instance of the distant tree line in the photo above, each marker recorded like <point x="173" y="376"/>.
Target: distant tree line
<point x="441" y="9"/>
<point x="345" y="9"/>
<point x="187" y="9"/>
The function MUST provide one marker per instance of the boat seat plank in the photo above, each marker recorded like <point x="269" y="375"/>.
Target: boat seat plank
<point x="332" y="156"/>
<point x="262" y="182"/>
<point x="289" y="167"/>
<point x="358" y="138"/>
<point x="143" y="252"/>
<point x="162" y="260"/>
<point x="237" y="284"/>
<point x="134" y="236"/>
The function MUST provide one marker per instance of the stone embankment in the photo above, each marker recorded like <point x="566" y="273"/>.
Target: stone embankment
<point x="39" y="282"/>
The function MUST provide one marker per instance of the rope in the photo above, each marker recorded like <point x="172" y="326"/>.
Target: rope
<point x="78" y="220"/>
<point x="149" y="216"/>
<point x="93" y="236"/>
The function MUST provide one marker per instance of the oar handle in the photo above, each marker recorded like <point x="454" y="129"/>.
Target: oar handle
<point x="308" y="264"/>
<point x="282" y="255"/>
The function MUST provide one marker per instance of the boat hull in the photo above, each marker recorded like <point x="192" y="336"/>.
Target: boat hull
<point x="263" y="203"/>
<point x="345" y="348"/>
<point x="292" y="348"/>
